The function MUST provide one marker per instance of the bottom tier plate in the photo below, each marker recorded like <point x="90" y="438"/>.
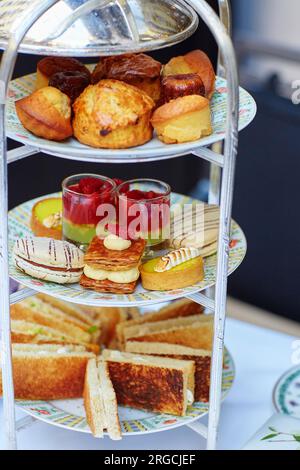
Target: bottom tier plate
<point x="70" y="414"/>
<point x="19" y="226"/>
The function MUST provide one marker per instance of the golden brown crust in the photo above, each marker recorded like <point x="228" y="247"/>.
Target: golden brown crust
<point x="202" y="65"/>
<point x="194" y="62"/>
<point x="149" y="388"/>
<point x="176" y="86"/>
<point x="113" y="114"/>
<point x="179" y="107"/>
<point x="139" y="70"/>
<point x="173" y="279"/>
<point x="48" y="378"/>
<point x="46" y="113"/>
<point x="99" y="257"/>
<point x="50" y="65"/>
<point x="179" y="308"/>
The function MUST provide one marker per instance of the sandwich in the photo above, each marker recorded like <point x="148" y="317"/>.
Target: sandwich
<point x="100" y="401"/>
<point x="151" y="383"/>
<point x="194" y="331"/>
<point x="48" y="372"/>
<point x="35" y="333"/>
<point x="110" y="318"/>
<point x="36" y="310"/>
<point x="111" y="269"/>
<point x="178" y="308"/>
<point x="73" y="312"/>
<point x="201" y="358"/>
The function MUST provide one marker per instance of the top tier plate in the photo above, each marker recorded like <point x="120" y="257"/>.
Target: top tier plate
<point x="99" y="27"/>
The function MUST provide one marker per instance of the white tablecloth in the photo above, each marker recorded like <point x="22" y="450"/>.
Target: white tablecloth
<point x="260" y="355"/>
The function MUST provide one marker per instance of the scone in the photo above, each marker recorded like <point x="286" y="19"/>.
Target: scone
<point x="139" y="70"/>
<point x="113" y="114"/>
<point x="46" y="218"/>
<point x="46" y="113"/>
<point x="50" y="65"/>
<point x="193" y="62"/>
<point x="184" y="119"/>
<point x="178" y="269"/>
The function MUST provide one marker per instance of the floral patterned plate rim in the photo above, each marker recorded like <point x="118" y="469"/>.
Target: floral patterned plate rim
<point x="286" y="394"/>
<point x="23" y="86"/>
<point x="19" y="226"/>
<point x="70" y="414"/>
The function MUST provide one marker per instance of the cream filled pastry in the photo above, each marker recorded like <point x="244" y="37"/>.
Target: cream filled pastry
<point x="49" y="259"/>
<point x="121" y="277"/>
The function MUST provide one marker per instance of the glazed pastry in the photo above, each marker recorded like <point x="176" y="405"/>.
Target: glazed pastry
<point x="51" y="65"/>
<point x="112" y="265"/>
<point x="49" y="259"/>
<point x="139" y="70"/>
<point x="70" y="83"/>
<point x="185" y="119"/>
<point x="46" y="218"/>
<point x="175" y="86"/>
<point x="178" y="269"/>
<point x="113" y="115"/>
<point x="46" y="113"/>
<point x="193" y="62"/>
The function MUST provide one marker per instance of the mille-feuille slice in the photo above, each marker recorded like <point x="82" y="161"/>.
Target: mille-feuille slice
<point x="178" y="308"/>
<point x="112" y="270"/>
<point x="151" y="383"/>
<point x="48" y="372"/>
<point x="100" y="401"/>
<point x="194" y="331"/>
<point x="201" y="358"/>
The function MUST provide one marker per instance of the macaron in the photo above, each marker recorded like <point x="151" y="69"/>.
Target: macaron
<point x="48" y="259"/>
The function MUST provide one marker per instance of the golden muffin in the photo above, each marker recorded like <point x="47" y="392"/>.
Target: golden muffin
<point x="46" y="113"/>
<point x="184" y="119"/>
<point x="194" y="62"/>
<point x="139" y="70"/>
<point x="50" y="65"/>
<point x="113" y="114"/>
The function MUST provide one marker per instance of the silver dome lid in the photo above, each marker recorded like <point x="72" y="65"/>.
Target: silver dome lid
<point x="100" y="27"/>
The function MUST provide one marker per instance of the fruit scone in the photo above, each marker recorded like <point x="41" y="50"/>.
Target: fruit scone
<point x="112" y="265"/>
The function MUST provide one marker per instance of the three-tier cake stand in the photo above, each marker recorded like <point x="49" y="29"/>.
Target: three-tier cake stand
<point x="118" y="26"/>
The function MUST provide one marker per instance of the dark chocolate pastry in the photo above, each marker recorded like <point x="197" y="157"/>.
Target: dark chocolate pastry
<point x="70" y="83"/>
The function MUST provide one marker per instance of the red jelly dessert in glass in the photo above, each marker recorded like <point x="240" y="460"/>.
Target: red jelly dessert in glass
<point x="144" y="210"/>
<point x="83" y="195"/>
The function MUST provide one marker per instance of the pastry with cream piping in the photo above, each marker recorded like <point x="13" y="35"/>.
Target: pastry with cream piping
<point x="112" y="264"/>
<point x="49" y="259"/>
<point x="178" y="269"/>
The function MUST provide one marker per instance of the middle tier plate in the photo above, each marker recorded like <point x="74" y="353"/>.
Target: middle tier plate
<point x="19" y="226"/>
<point x="153" y="150"/>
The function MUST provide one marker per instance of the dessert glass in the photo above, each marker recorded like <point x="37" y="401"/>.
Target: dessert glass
<point x="144" y="211"/>
<point x="82" y="196"/>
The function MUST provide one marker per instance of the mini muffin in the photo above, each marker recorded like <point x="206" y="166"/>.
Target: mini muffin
<point x="139" y="70"/>
<point x="175" y="86"/>
<point x="70" y="83"/>
<point x="193" y="62"/>
<point x="46" y="113"/>
<point x="183" y="120"/>
<point x="50" y="65"/>
<point x="113" y="114"/>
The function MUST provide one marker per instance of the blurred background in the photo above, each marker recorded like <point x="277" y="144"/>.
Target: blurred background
<point x="266" y="35"/>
